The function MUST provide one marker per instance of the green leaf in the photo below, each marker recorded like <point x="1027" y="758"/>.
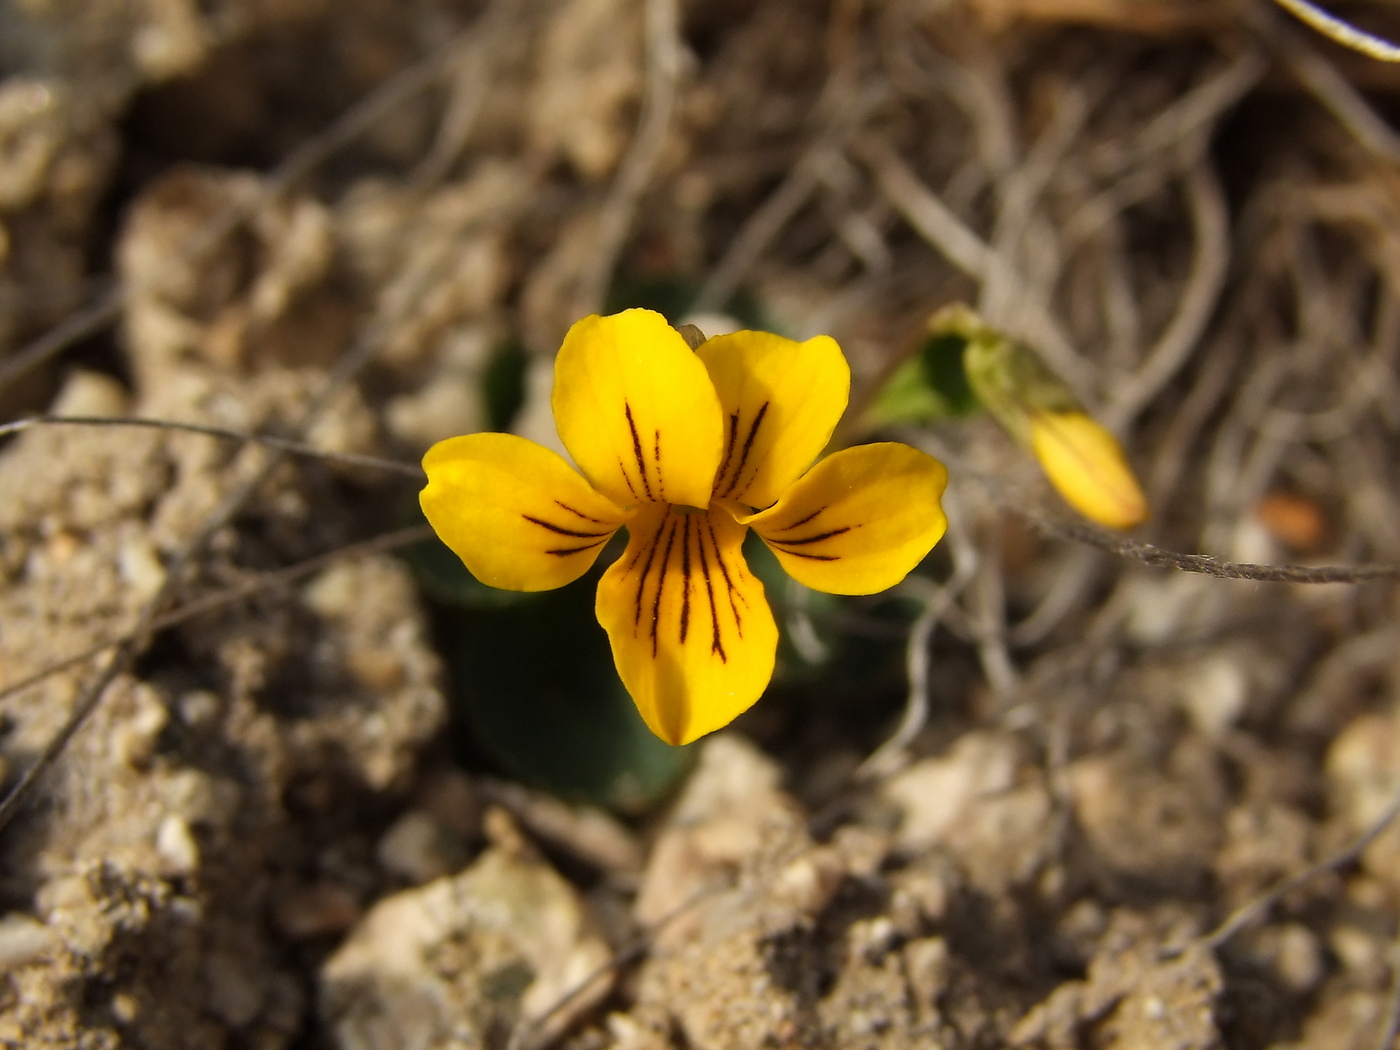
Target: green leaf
<point x="443" y="578"/>
<point x="539" y="696"/>
<point x="503" y="383"/>
<point x="929" y="386"/>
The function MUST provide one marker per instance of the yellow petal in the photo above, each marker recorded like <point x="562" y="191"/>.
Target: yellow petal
<point x="1086" y="465"/>
<point x="859" y="520"/>
<point x="636" y="410"/>
<point x="781" y="401"/>
<point x="517" y="514"/>
<point x="691" y="632"/>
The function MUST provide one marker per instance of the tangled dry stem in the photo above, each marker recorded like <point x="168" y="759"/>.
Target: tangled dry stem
<point x="1243" y="354"/>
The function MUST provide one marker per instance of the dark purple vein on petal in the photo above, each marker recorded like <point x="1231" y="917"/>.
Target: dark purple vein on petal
<point x="651" y="547"/>
<point x="728" y="449"/>
<point x="813" y="557"/>
<point x="685" y="579"/>
<point x="803" y="521"/>
<point x="660" y="477"/>
<point x="637" y="448"/>
<point x="579" y="513"/>
<point x="623" y="471"/>
<point x="563" y="531"/>
<point x="716" y="648"/>
<point x="661" y="585"/>
<point x="744" y="452"/>
<point x="815" y="539"/>
<point x="728" y="582"/>
<point x="562" y="551"/>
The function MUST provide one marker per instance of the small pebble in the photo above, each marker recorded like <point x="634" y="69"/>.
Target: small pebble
<point x="24" y="940"/>
<point x="198" y="707"/>
<point x="136" y="739"/>
<point x="176" y="845"/>
<point x="124" y="1007"/>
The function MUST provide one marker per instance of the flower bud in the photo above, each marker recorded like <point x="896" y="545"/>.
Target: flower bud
<point x="1086" y="465"/>
<point x="1083" y="461"/>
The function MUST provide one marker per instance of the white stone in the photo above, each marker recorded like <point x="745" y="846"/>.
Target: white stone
<point x="176" y="845"/>
<point x="24" y="940"/>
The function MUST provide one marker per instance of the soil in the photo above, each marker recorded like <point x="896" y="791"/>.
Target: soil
<point x="275" y="829"/>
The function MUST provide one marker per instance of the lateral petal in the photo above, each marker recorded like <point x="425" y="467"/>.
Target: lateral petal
<point x="781" y="400"/>
<point x="692" y="635"/>
<point x="636" y="410"/>
<point x="858" y="521"/>
<point x="517" y="514"/>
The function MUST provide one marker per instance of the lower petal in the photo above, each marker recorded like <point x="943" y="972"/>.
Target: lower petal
<point x="691" y="632"/>
<point x="858" y="521"/>
<point x="518" y="516"/>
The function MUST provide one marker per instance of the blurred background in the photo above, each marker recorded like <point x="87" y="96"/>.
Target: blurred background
<point x="345" y="796"/>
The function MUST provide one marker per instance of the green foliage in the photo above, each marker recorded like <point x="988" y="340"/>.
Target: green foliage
<point x="930" y="386"/>
<point x="503" y="384"/>
<point x="538" y="694"/>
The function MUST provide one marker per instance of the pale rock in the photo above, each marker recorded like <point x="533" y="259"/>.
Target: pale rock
<point x="1215" y="692"/>
<point x="24" y="940"/>
<point x="88" y="393"/>
<point x="1361" y="952"/>
<point x="140" y="568"/>
<point x="147" y="717"/>
<point x="586" y="832"/>
<point x="1363" y="774"/>
<point x="1165" y="608"/>
<point x="498" y="945"/>
<point x="935" y="793"/>
<point x="32" y="129"/>
<point x="176" y="845"/>
<point x="171" y="42"/>
<point x="1297" y="957"/>
<point x="591" y="66"/>
<point x="446" y="406"/>
<point x="729" y="812"/>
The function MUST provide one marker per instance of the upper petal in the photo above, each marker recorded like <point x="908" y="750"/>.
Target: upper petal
<point x="636" y="409"/>
<point x="517" y="514"/>
<point x="691" y="632"/>
<point x="859" y="520"/>
<point x="781" y="400"/>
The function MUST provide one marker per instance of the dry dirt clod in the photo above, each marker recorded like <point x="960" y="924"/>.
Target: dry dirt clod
<point x="462" y="959"/>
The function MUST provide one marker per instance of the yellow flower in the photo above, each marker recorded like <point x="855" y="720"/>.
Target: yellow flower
<point x="1086" y="465"/>
<point x="688" y="450"/>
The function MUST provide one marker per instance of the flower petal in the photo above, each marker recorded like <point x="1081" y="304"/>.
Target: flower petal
<point x="1086" y="465"/>
<point x="691" y="632"/>
<point x="516" y="513"/>
<point x="859" y="520"/>
<point x="781" y="401"/>
<point x="636" y="410"/>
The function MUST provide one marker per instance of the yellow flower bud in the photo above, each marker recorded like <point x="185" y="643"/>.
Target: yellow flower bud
<point x="1086" y="465"/>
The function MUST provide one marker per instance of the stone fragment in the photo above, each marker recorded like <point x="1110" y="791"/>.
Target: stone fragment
<point x="461" y="960"/>
<point x="419" y="848"/>
<point x="24" y="940"/>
